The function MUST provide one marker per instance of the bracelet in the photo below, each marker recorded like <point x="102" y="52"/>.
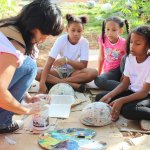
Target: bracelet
<point x="109" y="99"/>
<point x="66" y="60"/>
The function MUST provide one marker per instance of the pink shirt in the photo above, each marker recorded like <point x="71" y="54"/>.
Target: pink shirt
<point x="113" y="53"/>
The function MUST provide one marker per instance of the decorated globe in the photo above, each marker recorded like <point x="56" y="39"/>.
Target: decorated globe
<point x="61" y="89"/>
<point x="96" y="114"/>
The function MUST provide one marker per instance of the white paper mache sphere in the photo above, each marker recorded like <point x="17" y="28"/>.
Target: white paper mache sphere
<point x="61" y="89"/>
<point x="106" y="7"/>
<point x="96" y="114"/>
<point x="91" y="3"/>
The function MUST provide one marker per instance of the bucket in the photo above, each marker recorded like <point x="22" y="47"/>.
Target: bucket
<point x="41" y="119"/>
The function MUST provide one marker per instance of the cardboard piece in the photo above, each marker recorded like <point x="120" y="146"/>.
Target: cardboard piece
<point x="23" y="142"/>
<point x="79" y="98"/>
<point x="133" y="130"/>
<point x="141" y="142"/>
<point x="85" y="100"/>
<point x="109" y="134"/>
<point x="95" y="91"/>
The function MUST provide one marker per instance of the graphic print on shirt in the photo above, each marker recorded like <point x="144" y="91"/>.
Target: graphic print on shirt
<point x="112" y="55"/>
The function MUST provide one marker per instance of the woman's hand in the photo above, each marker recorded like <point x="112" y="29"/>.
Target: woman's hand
<point x="59" y="62"/>
<point x="116" y="108"/>
<point x="30" y="99"/>
<point x="38" y="101"/>
<point x="33" y="99"/>
<point x="32" y="108"/>
<point x="33" y="111"/>
<point x="43" y="98"/>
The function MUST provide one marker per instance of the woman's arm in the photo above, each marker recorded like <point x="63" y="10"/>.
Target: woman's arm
<point x="100" y="59"/>
<point x="45" y="72"/>
<point x="8" y="66"/>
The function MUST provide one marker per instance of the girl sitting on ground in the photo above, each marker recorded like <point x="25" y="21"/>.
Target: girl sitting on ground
<point x="112" y="49"/>
<point x="131" y="97"/>
<point x="68" y="58"/>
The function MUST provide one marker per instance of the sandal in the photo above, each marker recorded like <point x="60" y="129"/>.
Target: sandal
<point x="81" y="88"/>
<point x="49" y="86"/>
<point x="145" y="125"/>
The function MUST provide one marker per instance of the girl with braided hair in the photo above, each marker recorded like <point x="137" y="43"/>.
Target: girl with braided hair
<point x="112" y="49"/>
<point x="131" y="97"/>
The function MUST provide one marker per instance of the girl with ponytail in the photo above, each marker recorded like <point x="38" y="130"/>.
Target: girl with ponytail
<point x="112" y="49"/>
<point x="68" y="58"/>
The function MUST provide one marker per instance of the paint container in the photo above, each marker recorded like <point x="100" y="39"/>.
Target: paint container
<point x="41" y="119"/>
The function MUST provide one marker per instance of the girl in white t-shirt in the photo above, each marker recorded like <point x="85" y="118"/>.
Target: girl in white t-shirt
<point x="131" y="97"/>
<point x="68" y="58"/>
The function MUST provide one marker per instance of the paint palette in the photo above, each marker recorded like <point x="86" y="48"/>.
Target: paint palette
<point x="70" y="139"/>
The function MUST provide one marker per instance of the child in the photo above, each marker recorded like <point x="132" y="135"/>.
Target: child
<point x="71" y="65"/>
<point x="131" y="97"/>
<point x="112" y="49"/>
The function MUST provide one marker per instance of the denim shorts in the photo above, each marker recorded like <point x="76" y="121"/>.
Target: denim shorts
<point x="64" y="72"/>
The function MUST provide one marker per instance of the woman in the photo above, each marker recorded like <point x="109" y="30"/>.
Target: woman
<point x="18" y="35"/>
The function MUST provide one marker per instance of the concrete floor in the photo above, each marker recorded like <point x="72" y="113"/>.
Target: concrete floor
<point x="93" y="58"/>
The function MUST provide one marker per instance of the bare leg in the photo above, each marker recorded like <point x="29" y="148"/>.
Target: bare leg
<point x="52" y="73"/>
<point x="53" y="78"/>
<point x="82" y="76"/>
<point x="77" y="77"/>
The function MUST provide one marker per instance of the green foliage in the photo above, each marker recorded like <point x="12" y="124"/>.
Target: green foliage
<point x="136" y="12"/>
<point x="78" y="9"/>
<point x="7" y="9"/>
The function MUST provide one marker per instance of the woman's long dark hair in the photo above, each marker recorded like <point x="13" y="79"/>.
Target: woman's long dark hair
<point x="40" y="14"/>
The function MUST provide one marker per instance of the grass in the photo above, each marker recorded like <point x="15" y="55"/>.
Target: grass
<point x="82" y="9"/>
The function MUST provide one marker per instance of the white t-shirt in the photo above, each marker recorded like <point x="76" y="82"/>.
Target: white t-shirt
<point x="63" y="48"/>
<point x="7" y="47"/>
<point x="138" y="73"/>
